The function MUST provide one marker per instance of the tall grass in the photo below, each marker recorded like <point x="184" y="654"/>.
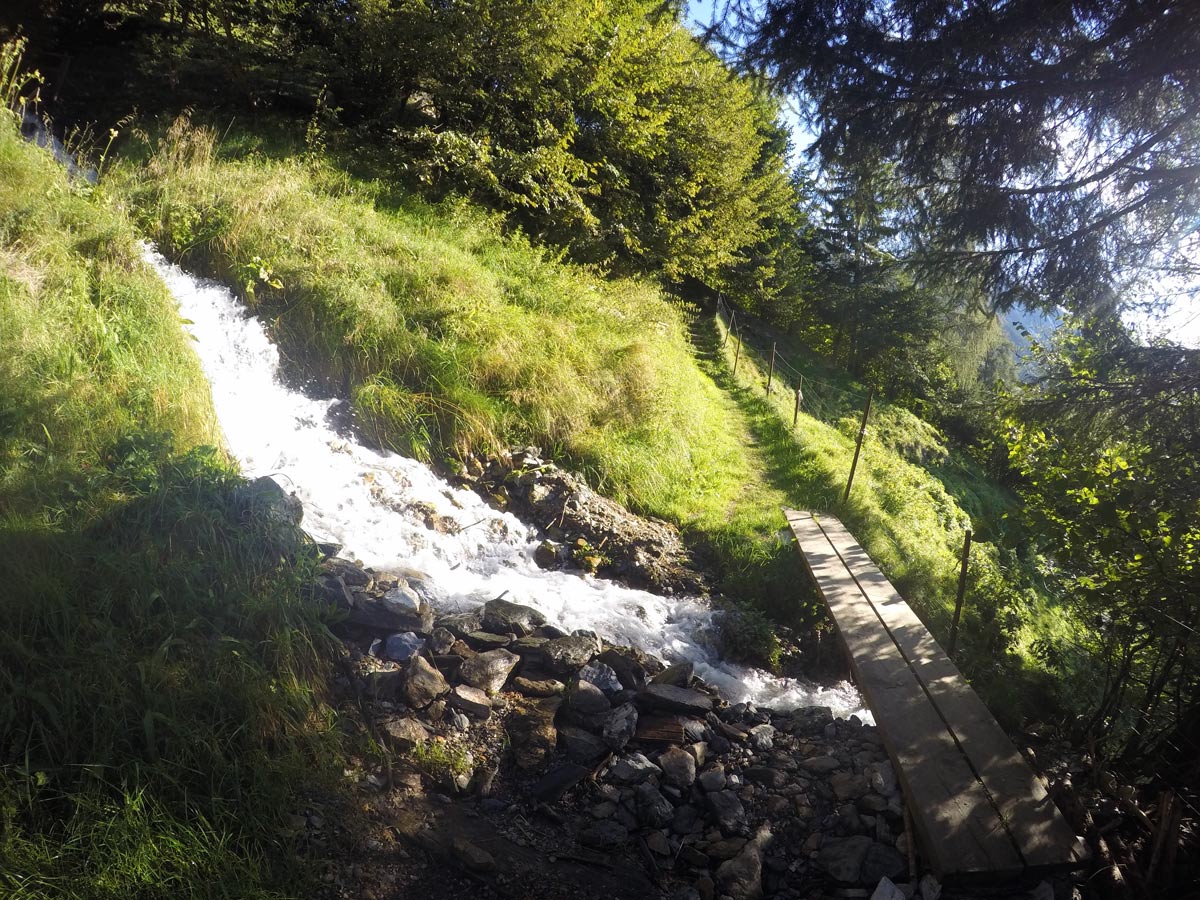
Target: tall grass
<point x="449" y="335"/>
<point x="159" y="669"/>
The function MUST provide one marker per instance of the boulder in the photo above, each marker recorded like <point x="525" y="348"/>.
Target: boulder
<point x="820" y="765"/>
<point x="531" y="730"/>
<point x="713" y="779"/>
<point x="882" y="861"/>
<point x="559" y="780"/>
<point x="679" y="767"/>
<point x="502" y="617"/>
<point x="485" y="640"/>
<point x="401" y="647"/>
<point x="580" y="746"/>
<point x="626" y="664"/>
<point x="543" y="688"/>
<point x="669" y="698"/>
<point x="653" y="809"/>
<point x="740" y="878"/>
<point x="472" y="701"/>
<point x="619" y="726"/>
<point x="488" y="671"/>
<point x="422" y="683"/>
<point x="762" y="737"/>
<point x="680" y="674"/>
<point x="471" y="857"/>
<point x="586" y="701"/>
<point x="404" y="734"/>
<point x="602" y="676"/>
<point x="728" y="811"/>
<point x="633" y="768"/>
<point x="843" y="859"/>
<point x="566" y="655"/>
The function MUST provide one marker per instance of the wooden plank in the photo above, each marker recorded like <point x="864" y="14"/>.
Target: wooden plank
<point x="958" y="826"/>
<point x="1040" y="831"/>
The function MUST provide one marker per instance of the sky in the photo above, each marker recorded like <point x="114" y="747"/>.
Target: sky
<point x="1179" y="323"/>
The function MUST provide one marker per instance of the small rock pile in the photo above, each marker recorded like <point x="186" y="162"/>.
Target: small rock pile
<point x="583" y="529"/>
<point x="636" y="763"/>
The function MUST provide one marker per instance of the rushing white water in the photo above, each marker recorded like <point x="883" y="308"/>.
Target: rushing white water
<point x="363" y="500"/>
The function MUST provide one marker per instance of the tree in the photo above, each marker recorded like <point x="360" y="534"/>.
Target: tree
<point x="1111" y="484"/>
<point x="1051" y="147"/>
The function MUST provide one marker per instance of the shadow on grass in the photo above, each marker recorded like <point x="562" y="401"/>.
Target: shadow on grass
<point x="161" y="682"/>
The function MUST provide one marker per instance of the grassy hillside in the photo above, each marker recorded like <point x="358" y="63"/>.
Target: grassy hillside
<point x="156" y="708"/>
<point x="448" y="336"/>
<point x="453" y="337"/>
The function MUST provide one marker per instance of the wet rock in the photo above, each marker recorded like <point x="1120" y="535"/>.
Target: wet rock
<point x="882" y="861"/>
<point x="931" y="888"/>
<point x="423" y="684"/>
<point x="397" y="611"/>
<point x="462" y="624"/>
<point x="602" y="676"/>
<point x="627" y="665"/>
<point x="567" y="655"/>
<point x="404" y="734"/>
<point x="549" y="555"/>
<point x="679" y="767"/>
<point x="654" y="810"/>
<point x="485" y="640"/>
<point x="488" y="671"/>
<point x="545" y="688"/>
<point x="559" y="780"/>
<point x="351" y="573"/>
<point x="401" y="647"/>
<point x="727" y="810"/>
<point x="472" y="701"/>
<point x="580" y="746"/>
<point x="585" y="700"/>
<point x="843" y="859"/>
<point x="619" y="726"/>
<point x="531" y="731"/>
<point x="669" y="698"/>
<point x="604" y="835"/>
<point x="501" y="617"/>
<point x="740" y="878"/>
<point x="633" y="768"/>
<point x="528" y="646"/>
<point x="762" y="737"/>
<point x="679" y="674"/>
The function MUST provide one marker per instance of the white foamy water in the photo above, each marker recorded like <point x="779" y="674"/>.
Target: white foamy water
<point x="363" y="500"/>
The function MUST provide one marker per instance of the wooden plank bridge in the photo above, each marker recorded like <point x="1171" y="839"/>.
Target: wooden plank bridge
<point x="978" y="808"/>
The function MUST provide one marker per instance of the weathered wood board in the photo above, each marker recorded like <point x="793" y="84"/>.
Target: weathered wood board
<point x="978" y="808"/>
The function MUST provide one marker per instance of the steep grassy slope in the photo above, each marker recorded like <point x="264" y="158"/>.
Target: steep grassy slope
<point x="156" y="662"/>
<point x="448" y="336"/>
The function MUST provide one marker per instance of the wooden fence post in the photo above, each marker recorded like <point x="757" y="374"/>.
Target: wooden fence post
<point x="737" y="354"/>
<point x="771" y="371"/>
<point x="962" y="592"/>
<point x="799" y="399"/>
<point x="862" y="430"/>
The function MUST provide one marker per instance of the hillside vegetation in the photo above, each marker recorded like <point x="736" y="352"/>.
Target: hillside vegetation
<point x="158" y="671"/>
